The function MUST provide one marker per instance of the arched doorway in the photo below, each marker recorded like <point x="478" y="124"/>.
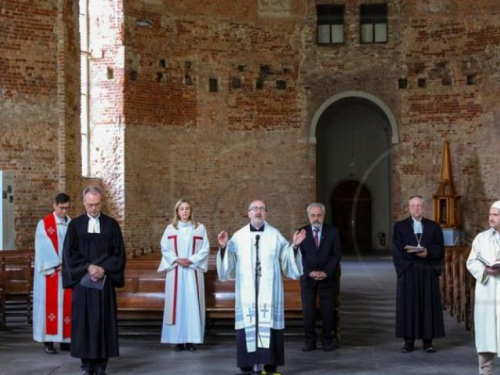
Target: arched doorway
<point x="353" y="136"/>
<point x="351" y="206"/>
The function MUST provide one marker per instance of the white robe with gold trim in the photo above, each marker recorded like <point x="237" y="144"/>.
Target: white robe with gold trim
<point x="184" y="315"/>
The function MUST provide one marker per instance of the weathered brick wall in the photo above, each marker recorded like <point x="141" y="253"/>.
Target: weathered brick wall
<point x="219" y="149"/>
<point x="447" y="43"/>
<point x="160" y="134"/>
<point x="37" y="106"/>
<point x="107" y="127"/>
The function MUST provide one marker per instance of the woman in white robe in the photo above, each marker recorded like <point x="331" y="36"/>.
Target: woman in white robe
<point x="185" y="249"/>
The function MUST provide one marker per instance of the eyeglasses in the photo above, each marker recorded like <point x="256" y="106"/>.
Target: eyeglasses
<point x="256" y="209"/>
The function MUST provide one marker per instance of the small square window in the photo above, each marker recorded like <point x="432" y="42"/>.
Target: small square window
<point x="259" y="83"/>
<point x="373" y="23"/>
<point x="402" y="83"/>
<point x="330" y="20"/>
<point x="281" y="85"/>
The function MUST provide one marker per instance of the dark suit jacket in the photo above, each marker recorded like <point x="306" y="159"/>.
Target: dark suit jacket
<point x="326" y="258"/>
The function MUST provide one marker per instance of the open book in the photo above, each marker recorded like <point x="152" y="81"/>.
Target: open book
<point x="414" y="249"/>
<point x="495" y="264"/>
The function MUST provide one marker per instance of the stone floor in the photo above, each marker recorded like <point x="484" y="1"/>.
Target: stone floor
<point x="368" y="345"/>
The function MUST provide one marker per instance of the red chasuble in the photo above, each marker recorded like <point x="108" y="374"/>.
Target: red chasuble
<point x="52" y="289"/>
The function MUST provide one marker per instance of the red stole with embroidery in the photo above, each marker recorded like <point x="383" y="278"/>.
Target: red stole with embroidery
<point x="52" y="289"/>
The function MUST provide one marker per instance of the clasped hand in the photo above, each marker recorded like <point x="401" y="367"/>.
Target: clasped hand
<point x="491" y="271"/>
<point x="95" y="272"/>
<point x="183" y="262"/>
<point x="318" y="275"/>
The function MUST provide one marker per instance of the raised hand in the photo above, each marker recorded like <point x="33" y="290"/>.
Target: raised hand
<point x="223" y="238"/>
<point x="298" y="237"/>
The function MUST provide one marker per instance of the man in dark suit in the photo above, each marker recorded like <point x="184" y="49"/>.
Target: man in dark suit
<point x="419" y="314"/>
<point x="320" y="256"/>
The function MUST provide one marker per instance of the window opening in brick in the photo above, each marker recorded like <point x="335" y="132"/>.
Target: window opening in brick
<point x="281" y="85"/>
<point x="330" y="19"/>
<point x="471" y="79"/>
<point x="373" y="18"/>
<point x="422" y="82"/>
<point x="213" y="85"/>
<point x="259" y="83"/>
<point x="402" y="83"/>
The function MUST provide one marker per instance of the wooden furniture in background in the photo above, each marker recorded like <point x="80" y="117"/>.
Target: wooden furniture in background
<point x="16" y="283"/>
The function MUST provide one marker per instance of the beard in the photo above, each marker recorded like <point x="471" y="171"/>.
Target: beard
<point x="316" y="225"/>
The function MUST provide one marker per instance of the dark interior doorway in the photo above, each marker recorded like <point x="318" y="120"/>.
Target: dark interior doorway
<point x="351" y="206"/>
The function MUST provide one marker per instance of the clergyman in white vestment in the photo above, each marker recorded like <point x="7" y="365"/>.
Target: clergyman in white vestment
<point x="486" y="248"/>
<point x="185" y="249"/>
<point x="51" y="303"/>
<point x="236" y="261"/>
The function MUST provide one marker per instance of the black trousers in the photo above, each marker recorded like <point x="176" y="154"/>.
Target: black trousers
<point x="309" y="292"/>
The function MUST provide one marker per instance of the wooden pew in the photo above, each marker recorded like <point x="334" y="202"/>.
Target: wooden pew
<point x="458" y="285"/>
<point x="16" y="282"/>
<point x="143" y="295"/>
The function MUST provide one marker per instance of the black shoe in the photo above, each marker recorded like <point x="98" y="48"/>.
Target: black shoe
<point x="429" y="349"/>
<point x="179" y="347"/>
<point x="328" y="347"/>
<point x="308" y="348"/>
<point x="65" y="347"/>
<point x="49" y="348"/>
<point x="407" y="348"/>
<point x="191" y="347"/>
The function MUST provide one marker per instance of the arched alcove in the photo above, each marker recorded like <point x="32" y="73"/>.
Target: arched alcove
<point x="353" y="136"/>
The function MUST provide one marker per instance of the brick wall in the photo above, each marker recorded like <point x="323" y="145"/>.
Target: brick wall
<point x="37" y="107"/>
<point x="159" y="133"/>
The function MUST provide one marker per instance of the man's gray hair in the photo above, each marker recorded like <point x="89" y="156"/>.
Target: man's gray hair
<point x="92" y="190"/>
<point x="316" y="204"/>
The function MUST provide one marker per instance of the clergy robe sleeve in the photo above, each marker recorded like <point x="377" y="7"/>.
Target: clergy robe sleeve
<point x="46" y="259"/>
<point x="402" y="260"/>
<point x="114" y="263"/>
<point x="290" y="261"/>
<point x="74" y="263"/>
<point x="476" y="267"/>
<point x="435" y="250"/>
<point x="200" y="258"/>
<point x="226" y="265"/>
<point x="168" y="253"/>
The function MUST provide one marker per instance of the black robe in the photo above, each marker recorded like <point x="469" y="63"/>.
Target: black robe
<point x="419" y="313"/>
<point x="94" y="325"/>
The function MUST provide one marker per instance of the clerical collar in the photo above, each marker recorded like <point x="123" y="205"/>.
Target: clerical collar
<point x="253" y="229"/>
